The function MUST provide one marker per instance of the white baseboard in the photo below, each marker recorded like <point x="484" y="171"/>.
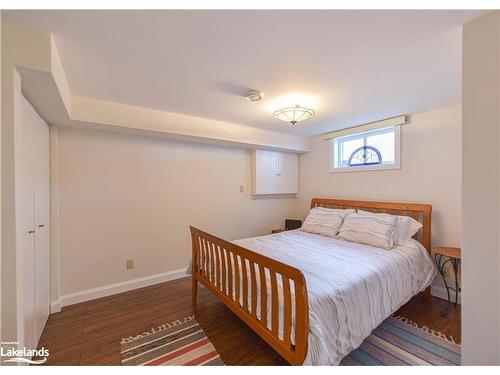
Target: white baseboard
<point x="55" y="306"/>
<point x="125" y="286"/>
<point x="108" y="290"/>
<point x="440" y="292"/>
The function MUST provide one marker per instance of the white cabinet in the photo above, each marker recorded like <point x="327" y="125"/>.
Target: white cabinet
<point x="266" y="172"/>
<point x="32" y="222"/>
<point x="275" y="172"/>
<point x="288" y="173"/>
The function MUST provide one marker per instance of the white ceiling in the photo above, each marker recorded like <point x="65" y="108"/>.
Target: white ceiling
<point x="355" y="66"/>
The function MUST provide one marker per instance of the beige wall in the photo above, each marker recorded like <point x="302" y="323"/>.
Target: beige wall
<point x="481" y="191"/>
<point x="128" y="196"/>
<point x="430" y="173"/>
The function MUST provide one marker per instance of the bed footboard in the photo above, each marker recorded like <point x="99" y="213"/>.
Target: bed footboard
<point x="235" y="276"/>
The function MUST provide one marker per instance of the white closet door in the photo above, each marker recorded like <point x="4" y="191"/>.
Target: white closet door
<point x="42" y="240"/>
<point x="266" y="172"/>
<point x="32" y="210"/>
<point x="288" y="170"/>
<point x="25" y="224"/>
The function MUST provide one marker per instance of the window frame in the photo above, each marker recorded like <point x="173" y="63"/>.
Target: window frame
<point x="368" y="168"/>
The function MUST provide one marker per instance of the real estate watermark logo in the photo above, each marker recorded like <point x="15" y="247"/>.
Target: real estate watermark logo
<point x="14" y="354"/>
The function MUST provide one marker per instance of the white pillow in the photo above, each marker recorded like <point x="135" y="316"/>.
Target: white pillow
<point x="374" y="230"/>
<point x="406" y="227"/>
<point x="324" y="221"/>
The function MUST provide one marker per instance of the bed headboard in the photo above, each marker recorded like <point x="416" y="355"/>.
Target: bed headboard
<point x="420" y="212"/>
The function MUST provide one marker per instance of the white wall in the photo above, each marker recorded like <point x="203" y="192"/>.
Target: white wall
<point x="481" y="191"/>
<point x="430" y="173"/>
<point x="128" y="196"/>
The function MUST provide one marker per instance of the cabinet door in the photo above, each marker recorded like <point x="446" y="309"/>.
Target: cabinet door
<point x="266" y="168"/>
<point x="288" y="172"/>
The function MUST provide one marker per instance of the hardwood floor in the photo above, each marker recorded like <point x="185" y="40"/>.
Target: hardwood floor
<point x="89" y="333"/>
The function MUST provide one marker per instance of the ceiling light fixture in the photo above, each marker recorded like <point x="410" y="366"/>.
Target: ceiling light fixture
<point x="294" y="114"/>
<point x="254" y="95"/>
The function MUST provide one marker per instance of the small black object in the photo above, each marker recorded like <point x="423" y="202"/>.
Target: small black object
<point x="292" y="224"/>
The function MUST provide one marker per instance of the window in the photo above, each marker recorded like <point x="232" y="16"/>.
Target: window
<point x="368" y="150"/>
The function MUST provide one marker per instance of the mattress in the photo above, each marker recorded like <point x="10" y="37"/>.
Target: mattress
<point x="351" y="287"/>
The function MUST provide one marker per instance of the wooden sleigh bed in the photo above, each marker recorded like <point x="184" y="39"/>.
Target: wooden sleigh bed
<point x="216" y="265"/>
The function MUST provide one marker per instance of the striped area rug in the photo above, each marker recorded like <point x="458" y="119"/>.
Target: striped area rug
<point x="179" y="343"/>
<point x="400" y="342"/>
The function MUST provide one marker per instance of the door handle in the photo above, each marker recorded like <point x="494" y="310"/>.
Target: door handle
<point x="31" y="231"/>
<point x="41" y="225"/>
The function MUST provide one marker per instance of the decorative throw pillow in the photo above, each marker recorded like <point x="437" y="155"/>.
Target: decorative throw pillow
<point x="406" y="227"/>
<point x="324" y="221"/>
<point x="375" y="230"/>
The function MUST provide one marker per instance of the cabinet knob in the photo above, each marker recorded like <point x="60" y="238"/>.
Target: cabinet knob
<point x="31" y="231"/>
<point x="41" y="225"/>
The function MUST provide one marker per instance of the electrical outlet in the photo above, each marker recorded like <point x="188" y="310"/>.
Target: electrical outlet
<point x="130" y="263"/>
<point x="242" y="188"/>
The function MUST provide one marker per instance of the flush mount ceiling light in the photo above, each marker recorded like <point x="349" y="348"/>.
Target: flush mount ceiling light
<point x="294" y="114"/>
<point x="254" y="95"/>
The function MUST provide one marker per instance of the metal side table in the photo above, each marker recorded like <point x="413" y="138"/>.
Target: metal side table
<point x="453" y="255"/>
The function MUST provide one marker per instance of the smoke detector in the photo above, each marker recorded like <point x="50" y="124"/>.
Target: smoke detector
<point x="254" y="95"/>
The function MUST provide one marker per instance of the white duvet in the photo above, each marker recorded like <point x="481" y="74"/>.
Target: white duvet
<point x="351" y="287"/>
